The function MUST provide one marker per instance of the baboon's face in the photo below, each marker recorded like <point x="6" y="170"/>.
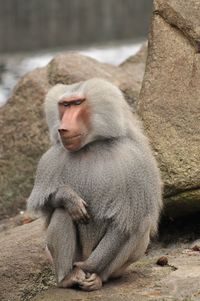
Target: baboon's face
<point x="74" y="112"/>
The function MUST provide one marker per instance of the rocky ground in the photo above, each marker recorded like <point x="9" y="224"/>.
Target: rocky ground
<point x="26" y="274"/>
<point x="178" y="280"/>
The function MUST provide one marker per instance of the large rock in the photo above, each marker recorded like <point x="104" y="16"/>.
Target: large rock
<point x="23" y="132"/>
<point x="23" y="139"/>
<point x="170" y="100"/>
<point x="24" y="269"/>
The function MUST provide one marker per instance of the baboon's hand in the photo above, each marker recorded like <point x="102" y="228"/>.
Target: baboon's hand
<point x="78" y="211"/>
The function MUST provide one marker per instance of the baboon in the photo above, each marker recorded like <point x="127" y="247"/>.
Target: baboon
<point x="98" y="185"/>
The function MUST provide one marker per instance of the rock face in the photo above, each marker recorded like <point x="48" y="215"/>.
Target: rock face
<point x="23" y="132"/>
<point x="170" y="100"/>
<point x="23" y="139"/>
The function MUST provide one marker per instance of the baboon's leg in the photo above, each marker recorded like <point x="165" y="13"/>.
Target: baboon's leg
<point x="105" y="251"/>
<point x="62" y="245"/>
<point x="132" y="250"/>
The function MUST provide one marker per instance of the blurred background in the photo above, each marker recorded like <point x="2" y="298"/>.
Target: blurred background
<point x="33" y="31"/>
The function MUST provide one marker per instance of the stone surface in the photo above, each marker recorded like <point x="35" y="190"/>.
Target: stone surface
<point x="145" y="282"/>
<point x="170" y="101"/>
<point x="184" y="15"/>
<point x="179" y="281"/>
<point x="23" y="139"/>
<point x="26" y="275"/>
<point x="24" y="269"/>
<point x="23" y="132"/>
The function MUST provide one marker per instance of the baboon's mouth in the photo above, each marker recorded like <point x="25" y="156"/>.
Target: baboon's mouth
<point x="71" y="138"/>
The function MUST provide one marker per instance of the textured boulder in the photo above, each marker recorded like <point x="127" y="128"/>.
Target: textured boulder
<point x="23" y="139"/>
<point x="24" y="269"/>
<point x="170" y="100"/>
<point x="23" y="132"/>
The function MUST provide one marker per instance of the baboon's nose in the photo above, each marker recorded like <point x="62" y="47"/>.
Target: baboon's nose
<point x="62" y="131"/>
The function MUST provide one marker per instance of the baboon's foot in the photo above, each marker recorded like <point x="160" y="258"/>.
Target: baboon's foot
<point x="92" y="282"/>
<point x="76" y="277"/>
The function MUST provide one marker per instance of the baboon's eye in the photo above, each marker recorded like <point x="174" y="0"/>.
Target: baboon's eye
<point x="77" y="102"/>
<point x="66" y="104"/>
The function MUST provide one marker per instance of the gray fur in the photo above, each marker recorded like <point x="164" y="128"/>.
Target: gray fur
<point x="114" y="172"/>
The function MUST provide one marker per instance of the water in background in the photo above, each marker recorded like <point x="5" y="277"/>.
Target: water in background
<point x="14" y="67"/>
<point x="34" y="24"/>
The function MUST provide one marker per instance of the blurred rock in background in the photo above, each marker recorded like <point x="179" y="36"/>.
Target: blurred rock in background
<point x="14" y="66"/>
